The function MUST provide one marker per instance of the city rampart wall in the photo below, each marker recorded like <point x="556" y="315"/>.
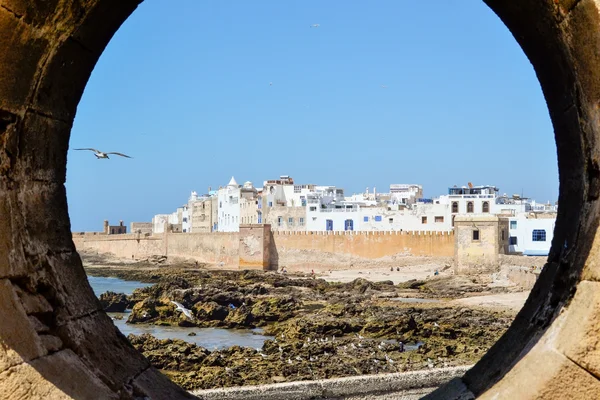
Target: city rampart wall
<point x="310" y="250"/>
<point x="294" y="250"/>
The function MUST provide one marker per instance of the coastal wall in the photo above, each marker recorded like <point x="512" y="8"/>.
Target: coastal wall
<point x="307" y="250"/>
<point x="210" y="248"/>
<point x="124" y="246"/>
<point x="294" y="250"/>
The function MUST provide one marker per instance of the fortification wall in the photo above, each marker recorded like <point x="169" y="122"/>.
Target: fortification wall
<point x="210" y="248"/>
<point x="304" y="250"/>
<point x="121" y="245"/>
<point x="294" y="250"/>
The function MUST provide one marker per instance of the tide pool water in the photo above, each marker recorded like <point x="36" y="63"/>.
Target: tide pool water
<point x="209" y="338"/>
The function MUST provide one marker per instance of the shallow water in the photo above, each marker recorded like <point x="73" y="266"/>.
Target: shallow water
<point x="210" y="338"/>
<point x="102" y="284"/>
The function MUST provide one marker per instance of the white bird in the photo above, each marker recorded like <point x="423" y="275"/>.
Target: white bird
<point x="184" y="310"/>
<point x="315" y="25"/>
<point x="298" y="358"/>
<point x="263" y="355"/>
<point x="280" y="349"/>
<point x="384" y="86"/>
<point x="100" y="154"/>
<point x="436" y="325"/>
<point x="289" y="361"/>
<point x="270" y="83"/>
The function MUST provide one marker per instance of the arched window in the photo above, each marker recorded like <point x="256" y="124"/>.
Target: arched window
<point x="486" y="207"/>
<point x="455" y="206"/>
<point x="470" y="207"/>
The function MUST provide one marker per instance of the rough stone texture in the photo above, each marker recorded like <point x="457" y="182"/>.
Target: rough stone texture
<point x="479" y="255"/>
<point x="294" y="250"/>
<point x="49" y="48"/>
<point x="397" y="386"/>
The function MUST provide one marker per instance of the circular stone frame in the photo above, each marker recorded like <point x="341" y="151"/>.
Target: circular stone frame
<point x="55" y="340"/>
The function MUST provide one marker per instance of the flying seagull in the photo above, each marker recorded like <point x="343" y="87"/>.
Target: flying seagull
<point x="184" y="310"/>
<point x="315" y="25"/>
<point x="99" y="154"/>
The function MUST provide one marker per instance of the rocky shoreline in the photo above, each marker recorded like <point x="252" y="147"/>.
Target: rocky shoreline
<point x="321" y="329"/>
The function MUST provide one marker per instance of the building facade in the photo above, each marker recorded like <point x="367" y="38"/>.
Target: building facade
<point x="531" y="234"/>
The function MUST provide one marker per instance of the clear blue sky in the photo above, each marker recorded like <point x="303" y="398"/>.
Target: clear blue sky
<point x="184" y="88"/>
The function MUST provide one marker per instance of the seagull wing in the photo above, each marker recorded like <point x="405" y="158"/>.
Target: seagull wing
<point x="120" y="154"/>
<point x="89" y="148"/>
<point x="179" y="305"/>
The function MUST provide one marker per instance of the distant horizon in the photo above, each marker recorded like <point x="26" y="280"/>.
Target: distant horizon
<point x="368" y="98"/>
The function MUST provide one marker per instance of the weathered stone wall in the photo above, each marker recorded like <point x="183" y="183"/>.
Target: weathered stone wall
<point x="123" y="246"/>
<point x="476" y="255"/>
<point x="140" y="227"/>
<point x="213" y="248"/>
<point x="308" y="250"/>
<point x="294" y="250"/>
<point x="254" y="247"/>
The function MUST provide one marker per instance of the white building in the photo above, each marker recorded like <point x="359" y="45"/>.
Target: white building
<point x="284" y="192"/>
<point x="405" y="193"/>
<point x="531" y="234"/>
<point x="160" y="221"/>
<point x="330" y="211"/>
<point x="186" y="221"/>
<point x="229" y="207"/>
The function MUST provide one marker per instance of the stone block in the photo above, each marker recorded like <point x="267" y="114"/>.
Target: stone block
<point x="22" y="51"/>
<point x="34" y="12"/>
<point x="44" y="209"/>
<point x="583" y="26"/>
<point x="157" y="386"/>
<point x="63" y="80"/>
<point x="544" y="373"/>
<point x="58" y="376"/>
<point x="591" y="269"/>
<point x="17" y="334"/>
<point x="579" y="335"/>
<point x="71" y="288"/>
<point x="24" y="382"/>
<point x="103" y="348"/>
<point x="43" y="143"/>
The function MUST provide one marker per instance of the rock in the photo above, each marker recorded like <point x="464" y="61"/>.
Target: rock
<point x="192" y="334"/>
<point x="114" y="302"/>
<point x="210" y="311"/>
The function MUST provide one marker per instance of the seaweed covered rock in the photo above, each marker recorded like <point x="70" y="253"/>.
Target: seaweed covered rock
<point x="114" y="302"/>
